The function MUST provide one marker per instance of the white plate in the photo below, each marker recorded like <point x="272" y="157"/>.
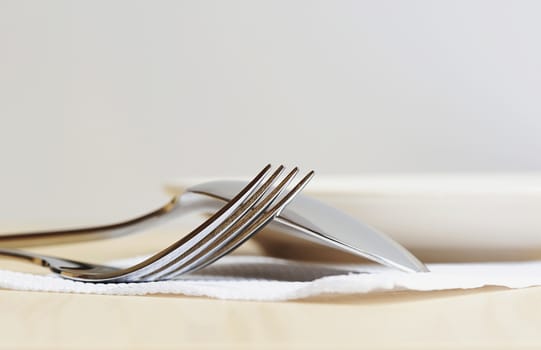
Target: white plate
<point x="441" y="217"/>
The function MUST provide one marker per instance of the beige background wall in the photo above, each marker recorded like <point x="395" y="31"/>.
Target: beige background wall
<point x="100" y="101"/>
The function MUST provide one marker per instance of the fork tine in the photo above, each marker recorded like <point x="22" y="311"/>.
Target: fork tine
<point x="221" y="216"/>
<point x="254" y="207"/>
<point x="242" y="234"/>
<point x="257" y="209"/>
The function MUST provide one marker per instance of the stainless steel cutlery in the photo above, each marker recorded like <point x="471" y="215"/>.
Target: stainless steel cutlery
<point x="252" y="208"/>
<point x="305" y="217"/>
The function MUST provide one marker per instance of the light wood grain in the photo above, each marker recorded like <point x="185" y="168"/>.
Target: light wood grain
<point x="500" y="319"/>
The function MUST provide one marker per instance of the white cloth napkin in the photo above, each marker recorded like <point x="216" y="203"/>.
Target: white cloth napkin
<point x="271" y="279"/>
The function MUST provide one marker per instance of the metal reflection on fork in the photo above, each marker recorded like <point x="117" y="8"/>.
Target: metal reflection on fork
<point x="251" y="209"/>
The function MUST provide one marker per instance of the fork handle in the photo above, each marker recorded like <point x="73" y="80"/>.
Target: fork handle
<point x="53" y="237"/>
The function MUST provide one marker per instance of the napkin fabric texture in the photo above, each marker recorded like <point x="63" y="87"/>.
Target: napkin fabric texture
<point x="272" y="279"/>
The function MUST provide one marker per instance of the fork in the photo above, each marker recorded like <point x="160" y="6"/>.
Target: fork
<point x="242" y="217"/>
<point x="306" y="218"/>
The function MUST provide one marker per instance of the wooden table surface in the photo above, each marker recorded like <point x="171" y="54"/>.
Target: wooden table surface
<point x="487" y="318"/>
